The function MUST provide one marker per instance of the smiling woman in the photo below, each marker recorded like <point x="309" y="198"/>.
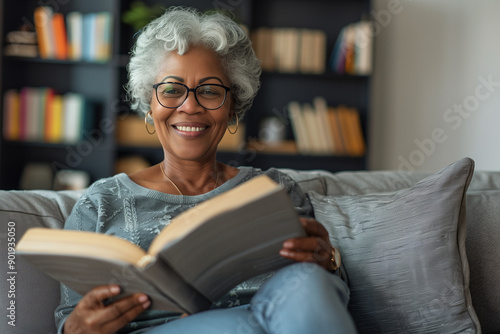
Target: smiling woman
<point x="193" y="74"/>
<point x="188" y="130"/>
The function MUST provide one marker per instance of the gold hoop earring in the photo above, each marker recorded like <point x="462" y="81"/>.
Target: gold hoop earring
<point x="146" y="123"/>
<point x="237" y="125"/>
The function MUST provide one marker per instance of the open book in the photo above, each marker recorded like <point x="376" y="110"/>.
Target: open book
<point x="201" y="255"/>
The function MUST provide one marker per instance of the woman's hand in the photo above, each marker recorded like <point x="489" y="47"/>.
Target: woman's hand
<point x="91" y="315"/>
<point x="314" y="248"/>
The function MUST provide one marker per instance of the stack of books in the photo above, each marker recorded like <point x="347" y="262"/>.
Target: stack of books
<point x="323" y="130"/>
<point x="21" y="43"/>
<point x="77" y="36"/>
<point x="41" y="115"/>
<point x="290" y="50"/>
<point x="353" y="49"/>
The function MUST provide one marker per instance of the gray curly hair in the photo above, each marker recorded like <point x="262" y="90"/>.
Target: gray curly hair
<point x="176" y="30"/>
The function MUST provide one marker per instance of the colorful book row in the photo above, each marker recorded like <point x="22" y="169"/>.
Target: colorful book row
<point x="75" y="37"/>
<point x="324" y="130"/>
<point x="41" y="115"/>
<point x="290" y="50"/>
<point x="353" y="51"/>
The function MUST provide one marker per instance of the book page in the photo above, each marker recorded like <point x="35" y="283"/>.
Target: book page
<point x="235" y="245"/>
<point x="89" y="244"/>
<point x="189" y="220"/>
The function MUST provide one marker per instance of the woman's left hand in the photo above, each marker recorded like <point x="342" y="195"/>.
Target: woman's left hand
<point x="315" y="247"/>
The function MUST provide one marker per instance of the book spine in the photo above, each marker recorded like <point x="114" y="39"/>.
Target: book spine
<point x="60" y="37"/>
<point x="22" y="112"/>
<point x="107" y="36"/>
<point x="32" y="114"/>
<point x="72" y="109"/>
<point x="89" y="37"/>
<point x="49" y="119"/>
<point x="319" y="52"/>
<point x="298" y="127"/>
<point x="41" y="114"/>
<point x="11" y="115"/>
<point x="336" y="130"/>
<point x="43" y="27"/>
<point x="75" y="30"/>
<point x="321" y="110"/>
<point x="99" y="37"/>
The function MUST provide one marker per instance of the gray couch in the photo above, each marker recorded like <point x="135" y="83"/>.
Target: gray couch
<point x="412" y="243"/>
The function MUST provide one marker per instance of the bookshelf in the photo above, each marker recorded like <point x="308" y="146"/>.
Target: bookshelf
<point x="101" y="83"/>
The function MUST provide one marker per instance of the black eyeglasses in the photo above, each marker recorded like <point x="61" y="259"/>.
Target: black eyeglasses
<point x="174" y="94"/>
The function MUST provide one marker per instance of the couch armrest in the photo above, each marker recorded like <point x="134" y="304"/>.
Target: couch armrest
<point x="31" y="295"/>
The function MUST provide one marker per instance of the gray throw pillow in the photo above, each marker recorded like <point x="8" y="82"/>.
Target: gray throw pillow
<point x="404" y="253"/>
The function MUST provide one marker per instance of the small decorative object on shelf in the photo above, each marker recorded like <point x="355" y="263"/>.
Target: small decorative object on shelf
<point x="21" y="43"/>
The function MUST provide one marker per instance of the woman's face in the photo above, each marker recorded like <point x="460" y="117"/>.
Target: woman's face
<point x="191" y="132"/>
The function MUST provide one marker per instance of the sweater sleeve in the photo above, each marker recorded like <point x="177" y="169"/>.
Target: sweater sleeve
<point x="82" y="218"/>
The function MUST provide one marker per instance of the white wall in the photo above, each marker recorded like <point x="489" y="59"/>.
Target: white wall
<point x="430" y="103"/>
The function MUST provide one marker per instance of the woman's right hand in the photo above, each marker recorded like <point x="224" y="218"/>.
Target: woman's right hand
<point x="91" y="315"/>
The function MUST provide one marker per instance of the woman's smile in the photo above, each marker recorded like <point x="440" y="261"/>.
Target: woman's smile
<point x="190" y="130"/>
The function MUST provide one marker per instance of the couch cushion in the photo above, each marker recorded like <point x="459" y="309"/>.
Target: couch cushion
<point x="36" y="296"/>
<point x="312" y="180"/>
<point x="404" y="253"/>
<point x="483" y="252"/>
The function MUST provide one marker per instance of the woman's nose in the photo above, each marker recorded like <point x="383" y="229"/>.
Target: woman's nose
<point x="191" y="105"/>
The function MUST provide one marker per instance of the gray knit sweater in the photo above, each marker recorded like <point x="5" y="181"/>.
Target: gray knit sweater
<point x="122" y="208"/>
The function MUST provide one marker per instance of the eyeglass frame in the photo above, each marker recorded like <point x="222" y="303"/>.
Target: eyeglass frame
<point x="226" y="90"/>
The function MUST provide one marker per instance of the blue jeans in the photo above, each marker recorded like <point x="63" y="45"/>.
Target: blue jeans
<point x="300" y="298"/>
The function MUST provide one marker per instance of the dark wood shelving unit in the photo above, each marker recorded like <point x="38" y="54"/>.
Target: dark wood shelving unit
<point x="102" y="83"/>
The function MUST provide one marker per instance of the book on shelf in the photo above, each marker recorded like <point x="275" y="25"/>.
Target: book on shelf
<point x="60" y="37"/>
<point x="39" y="114"/>
<point x="352" y="53"/>
<point x="11" y="115"/>
<point x="32" y="117"/>
<point x="363" y="48"/>
<point x="75" y="37"/>
<point x="21" y="37"/>
<point x="202" y="254"/>
<point x="320" y="129"/>
<point x="313" y="129"/>
<point x="44" y="31"/>
<point x="299" y="127"/>
<point x="336" y="128"/>
<point x="21" y="50"/>
<point x="323" y="127"/>
<point x="290" y="50"/>
<point x="351" y="131"/>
